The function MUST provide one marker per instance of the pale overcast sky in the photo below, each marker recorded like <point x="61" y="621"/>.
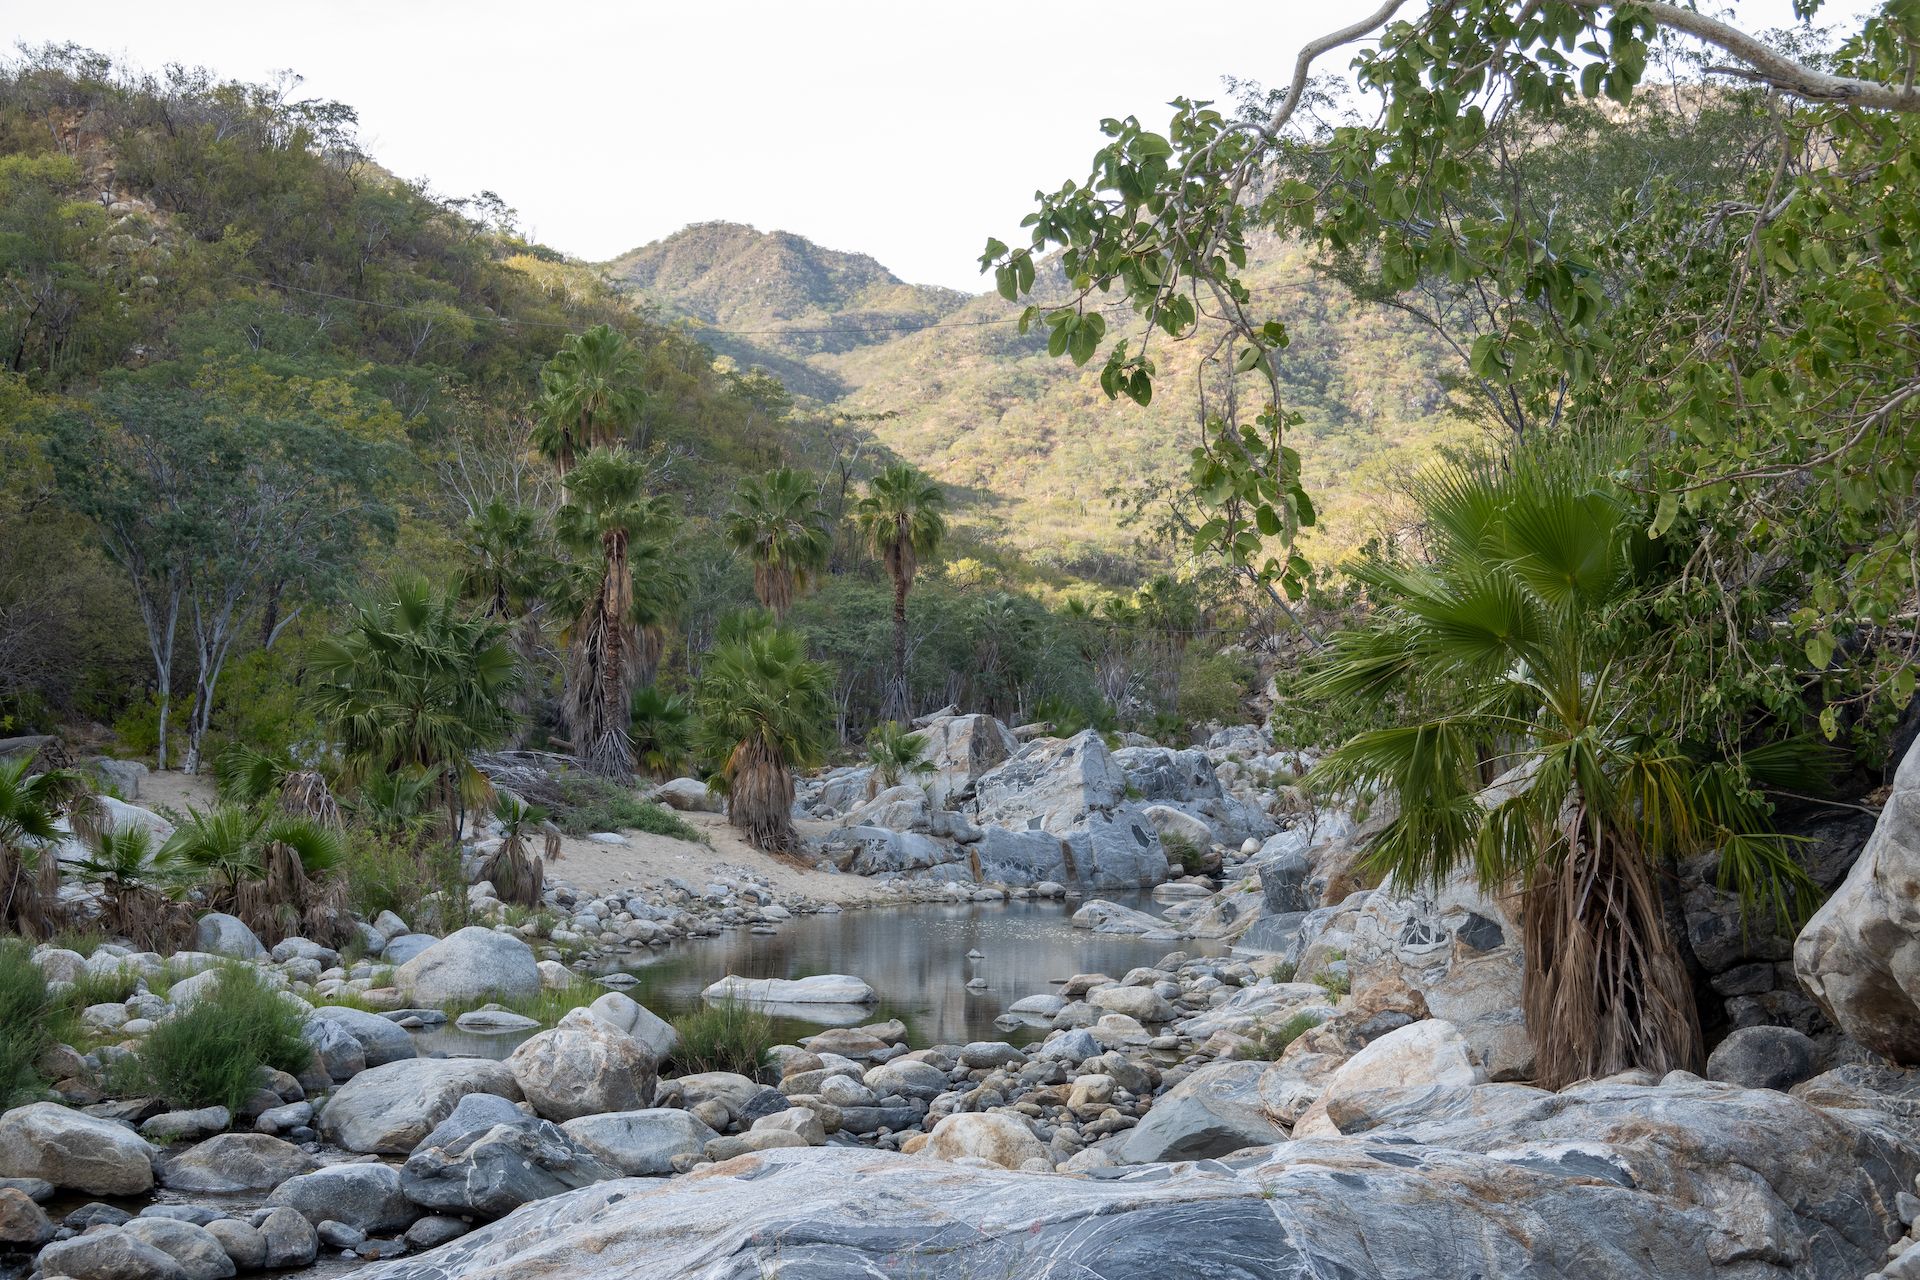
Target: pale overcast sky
<point x="907" y="130"/>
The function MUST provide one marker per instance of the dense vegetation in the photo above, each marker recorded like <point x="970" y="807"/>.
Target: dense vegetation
<point x="1685" y="555"/>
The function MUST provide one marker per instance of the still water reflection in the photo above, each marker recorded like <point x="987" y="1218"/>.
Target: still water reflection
<point x="914" y="957"/>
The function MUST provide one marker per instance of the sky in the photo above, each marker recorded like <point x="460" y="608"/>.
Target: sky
<point x="907" y="130"/>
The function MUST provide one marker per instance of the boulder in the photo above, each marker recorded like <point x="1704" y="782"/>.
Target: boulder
<point x="381" y="1039"/>
<point x="402" y="947"/>
<point x="290" y="1239"/>
<point x="1764" y="1058"/>
<point x="1859" y="956"/>
<point x="1143" y="1004"/>
<point x="494" y="1172"/>
<point x="243" y="1242"/>
<point x="1430" y="1053"/>
<point x="235" y="1162"/>
<point x="194" y="1248"/>
<point x="641" y="1144"/>
<point x="901" y="808"/>
<point x="109" y="1255"/>
<point x="1103" y="916"/>
<point x="390" y="1108"/>
<point x="23" y="1224"/>
<point x="688" y="795"/>
<point x="994" y="1136"/>
<point x="623" y="1013"/>
<point x="226" y="935"/>
<point x="1050" y="785"/>
<point x="877" y="851"/>
<point x="367" y="1196"/>
<point x="582" y="1067"/>
<point x="961" y="749"/>
<point x="1212" y="1112"/>
<point x="186" y="1126"/>
<point x="1618" y="1182"/>
<point x="470" y="964"/>
<point x="826" y="988"/>
<point x="335" y="1050"/>
<point x="74" y="1150"/>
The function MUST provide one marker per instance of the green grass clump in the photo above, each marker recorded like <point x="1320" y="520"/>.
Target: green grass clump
<point x="592" y="803"/>
<point x="1283" y="971"/>
<point x="1266" y="1044"/>
<point x="28" y="1013"/>
<point x="546" y="1008"/>
<point x="724" y="1036"/>
<point x="386" y="873"/>
<point x="1334" y="984"/>
<point x="211" y="1053"/>
<point x="1191" y="858"/>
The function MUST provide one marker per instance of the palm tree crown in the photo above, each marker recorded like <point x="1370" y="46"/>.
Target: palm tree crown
<point x="590" y="395"/>
<point x="901" y="519"/>
<point x="765" y="709"/>
<point x="778" y="523"/>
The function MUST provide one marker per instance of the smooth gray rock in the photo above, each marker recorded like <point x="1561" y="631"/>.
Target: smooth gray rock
<point x="367" y="1196"/>
<point x="492" y="1173"/>
<point x="583" y="1067"/>
<point x="197" y="1250"/>
<point x="1764" y="1058"/>
<point x="435" y="1230"/>
<point x="226" y="935"/>
<point x="1859" y="955"/>
<point x="1686" y="1182"/>
<point x="1050" y="785"/>
<point x="23" y="1224"/>
<point x="389" y="1109"/>
<point x="1214" y="1111"/>
<point x="290" y="1239"/>
<point x="335" y="1050"/>
<point x="177" y="1126"/>
<point x="109" y="1255"/>
<point x="380" y="1040"/>
<point x="74" y="1150"/>
<point x="470" y="964"/>
<point x="401" y="948"/>
<point x="234" y="1162"/>
<point x="243" y="1241"/>
<point x="473" y="1115"/>
<point x="641" y="1143"/>
<point x="825" y="988"/>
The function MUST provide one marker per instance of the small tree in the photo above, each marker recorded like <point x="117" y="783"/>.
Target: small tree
<point x="779" y="524"/>
<point x="516" y="873"/>
<point x="30" y="806"/>
<point x="893" y="752"/>
<point x="263" y="866"/>
<point x="902" y="519"/>
<point x="662" y="731"/>
<point x="590" y="396"/>
<point x="765" y="709"/>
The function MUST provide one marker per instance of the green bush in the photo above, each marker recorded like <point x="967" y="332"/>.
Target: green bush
<point x="1191" y="858"/>
<point x="211" y="1054"/>
<point x="385" y="872"/>
<point x="27" y="1013"/>
<point x="1266" y="1044"/>
<point x="1213" y="686"/>
<point x="725" y="1036"/>
<point x="592" y="803"/>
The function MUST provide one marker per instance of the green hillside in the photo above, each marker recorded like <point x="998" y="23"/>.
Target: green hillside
<point x="1032" y="439"/>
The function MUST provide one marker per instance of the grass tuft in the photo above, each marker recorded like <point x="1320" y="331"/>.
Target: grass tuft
<point x="725" y="1036"/>
<point x="28" y="1012"/>
<point x="211" y="1054"/>
<point x="592" y="803"/>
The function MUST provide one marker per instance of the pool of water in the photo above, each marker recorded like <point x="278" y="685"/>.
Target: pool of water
<point x="914" y="957"/>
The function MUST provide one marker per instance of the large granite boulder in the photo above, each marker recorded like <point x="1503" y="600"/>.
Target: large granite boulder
<point x="225" y="935"/>
<point x="382" y="1040"/>
<point x="960" y="749"/>
<point x="1102" y="916"/>
<point x="495" y="1171"/>
<point x="901" y="808"/>
<point x="74" y="1150"/>
<point x="642" y="1143"/>
<point x="875" y="851"/>
<point x="389" y="1109"/>
<point x="109" y="1255"/>
<point x="367" y="1196"/>
<point x="624" y="1013"/>
<point x="993" y="1136"/>
<point x="1687" y="1182"/>
<point x="1430" y="1053"/>
<point x="1214" y="1111"/>
<point x="823" y="988"/>
<point x="688" y="795"/>
<point x="1859" y="956"/>
<point x="583" y="1067"/>
<point x="230" y="1163"/>
<point x="1050" y="785"/>
<point x="470" y="964"/>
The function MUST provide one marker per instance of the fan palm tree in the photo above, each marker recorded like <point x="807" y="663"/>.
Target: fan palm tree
<point x="901" y="519"/>
<point x="778" y="523"/>
<point x="517" y="874"/>
<point x="662" y="731"/>
<point x="764" y="709"/>
<point x="30" y="808"/>
<point x="608" y="517"/>
<point x="509" y="567"/>
<point x="1511" y="651"/>
<point x="123" y="864"/>
<point x="590" y="396"/>
<point x="414" y="683"/>
<point x="262" y="866"/>
<point x="893" y="752"/>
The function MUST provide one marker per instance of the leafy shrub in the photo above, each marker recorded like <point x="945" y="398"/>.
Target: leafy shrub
<point x="662" y="731"/>
<point x="212" y="1053"/>
<point x="1190" y="856"/>
<point x="894" y="751"/>
<point x="1334" y="984"/>
<point x="384" y="872"/>
<point x="592" y="803"/>
<point x="1213" y="686"/>
<point x="1283" y="970"/>
<point x="27" y="1010"/>
<point x="1266" y="1043"/>
<point x="724" y="1036"/>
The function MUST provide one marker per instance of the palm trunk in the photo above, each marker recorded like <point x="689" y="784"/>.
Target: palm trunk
<point x="760" y="797"/>
<point x="897" y="700"/>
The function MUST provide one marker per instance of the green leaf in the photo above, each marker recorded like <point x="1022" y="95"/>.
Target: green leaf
<point x="1829" y="723"/>
<point x="1820" y="650"/>
<point x="1664" y="515"/>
